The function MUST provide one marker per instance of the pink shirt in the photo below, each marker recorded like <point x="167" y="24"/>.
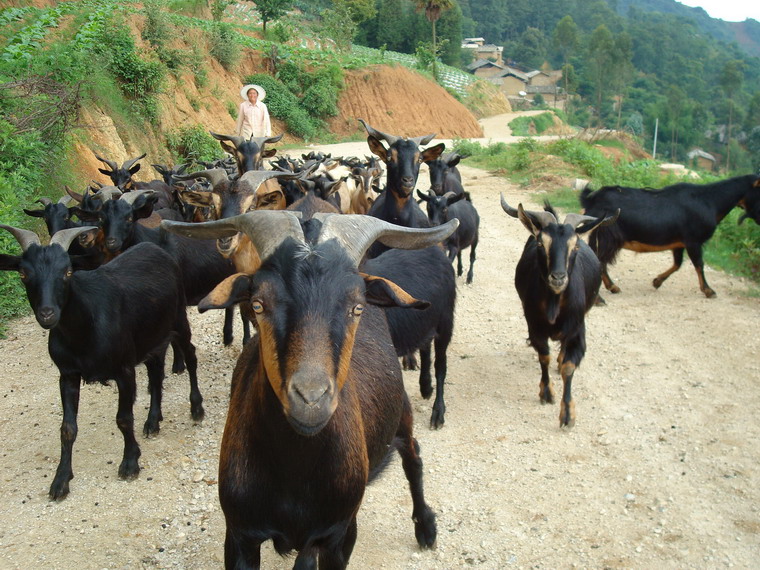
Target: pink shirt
<point x="253" y="120"/>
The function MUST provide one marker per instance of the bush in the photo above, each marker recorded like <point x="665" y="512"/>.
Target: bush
<point x="193" y="144"/>
<point x="222" y="45"/>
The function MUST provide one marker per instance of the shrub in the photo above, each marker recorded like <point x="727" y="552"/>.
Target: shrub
<point x="222" y="45"/>
<point x="285" y="106"/>
<point x="193" y="144"/>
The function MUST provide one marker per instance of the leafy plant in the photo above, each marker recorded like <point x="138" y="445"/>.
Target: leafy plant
<point x="193" y="144"/>
<point x="222" y="45"/>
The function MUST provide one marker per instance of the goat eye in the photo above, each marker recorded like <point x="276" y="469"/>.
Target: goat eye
<point x="257" y="307"/>
<point x="23" y="274"/>
<point x="68" y="274"/>
<point x="357" y="310"/>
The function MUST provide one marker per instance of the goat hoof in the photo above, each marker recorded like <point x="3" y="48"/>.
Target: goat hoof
<point x="59" y="490"/>
<point x="129" y="470"/>
<point x="409" y="362"/>
<point x="656" y="282"/>
<point x="567" y="415"/>
<point x="709" y="293"/>
<point x="178" y="367"/>
<point x="614" y="289"/>
<point x="425" y="529"/>
<point x="437" y="418"/>
<point x="198" y="413"/>
<point x="151" y="428"/>
<point x="426" y="389"/>
<point x="546" y="394"/>
<point x="600" y="302"/>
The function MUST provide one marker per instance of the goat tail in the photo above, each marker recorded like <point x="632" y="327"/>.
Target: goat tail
<point x="606" y="241"/>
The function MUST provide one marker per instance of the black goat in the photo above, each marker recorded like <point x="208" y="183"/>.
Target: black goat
<point x="441" y="209"/>
<point x="122" y="178"/>
<point x="318" y="402"/>
<point x="557" y="278"/>
<point x="444" y="174"/>
<point x="102" y="324"/>
<point x="396" y="205"/>
<point x="201" y="264"/>
<point x="249" y="153"/>
<point x="402" y="160"/>
<point x="677" y="217"/>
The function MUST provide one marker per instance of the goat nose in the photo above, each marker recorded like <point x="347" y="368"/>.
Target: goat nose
<point x="558" y="276"/>
<point x="111" y="243"/>
<point x="311" y="393"/>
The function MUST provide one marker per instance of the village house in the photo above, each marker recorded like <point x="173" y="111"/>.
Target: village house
<point x="701" y="160"/>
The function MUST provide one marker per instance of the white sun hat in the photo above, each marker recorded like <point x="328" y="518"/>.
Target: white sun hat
<point x="246" y="88"/>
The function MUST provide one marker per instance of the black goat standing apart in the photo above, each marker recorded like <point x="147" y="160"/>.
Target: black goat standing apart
<point x="102" y="324"/>
<point x="441" y="209"/>
<point x="557" y="278"/>
<point x="677" y="217"/>
<point x="444" y="174"/>
<point x="318" y="401"/>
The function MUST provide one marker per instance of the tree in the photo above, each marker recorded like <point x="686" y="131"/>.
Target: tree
<point x="731" y="79"/>
<point x="565" y="40"/>
<point x="271" y="10"/>
<point x="600" y="49"/>
<point x="433" y="10"/>
<point x="531" y="48"/>
<point x="622" y="69"/>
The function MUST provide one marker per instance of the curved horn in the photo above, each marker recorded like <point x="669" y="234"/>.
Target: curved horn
<point x="110" y="163"/>
<point x="261" y="141"/>
<point x="65" y="237"/>
<point x="507" y="208"/>
<point x="213" y="175"/>
<point x="108" y="193"/>
<point x="543" y="219"/>
<point x="65" y="200"/>
<point x="256" y="178"/>
<point x="390" y="139"/>
<point x="267" y="229"/>
<point x="25" y="238"/>
<point x="237" y="141"/>
<point x="356" y="232"/>
<point x="130" y="197"/>
<point x="423" y="139"/>
<point x="44" y="200"/>
<point x="128" y="164"/>
<point x="76" y="196"/>
<point x="574" y="220"/>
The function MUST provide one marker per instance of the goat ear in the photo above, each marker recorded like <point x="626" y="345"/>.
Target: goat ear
<point x="433" y="152"/>
<point x="377" y="148"/>
<point x="385" y="293"/>
<point x="453" y="161"/>
<point x="422" y="196"/>
<point x="455" y="199"/>
<point x="228" y="147"/>
<point x="233" y="290"/>
<point x="527" y="221"/>
<point x="35" y="213"/>
<point x="134" y="169"/>
<point x="269" y="153"/>
<point x="9" y="262"/>
<point x="104" y="171"/>
<point x="143" y="205"/>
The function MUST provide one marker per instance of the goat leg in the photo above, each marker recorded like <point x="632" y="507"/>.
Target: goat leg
<point x="439" y="407"/>
<point x="155" y="367"/>
<point x="695" y="254"/>
<point x="426" y="380"/>
<point x="240" y="553"/>
<point x="125" y="420"/>
<point x="545" y="391"/>
<point x="567" y="405"/>
<point x="422" y="515"/>
<point x="607" y="280"/>
<point x="677" y="261"/>
<point x="69" y="386"/>
<point x="473" y="247"/>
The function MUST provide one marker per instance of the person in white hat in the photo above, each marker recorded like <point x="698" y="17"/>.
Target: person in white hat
<point x="253" y="115"/>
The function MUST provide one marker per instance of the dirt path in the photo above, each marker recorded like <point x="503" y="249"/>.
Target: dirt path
<point x="659" y="471"/>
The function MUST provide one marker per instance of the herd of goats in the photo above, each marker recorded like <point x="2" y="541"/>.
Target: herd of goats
<point x="340" y="278"/>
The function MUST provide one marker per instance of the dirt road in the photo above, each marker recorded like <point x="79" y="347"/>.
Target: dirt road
<point x="659" y="471"/>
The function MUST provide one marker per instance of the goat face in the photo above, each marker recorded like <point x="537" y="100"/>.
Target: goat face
<point x="438" y="206"/>
<point x="45" y="273"/>
<point x="306" y="336"/>
<point x="118" y="219"/>
<point x="439" y="168"/>
<point x="56" y="216"/>
<point x="556" y="246"/>
<point x="403" y="159"/>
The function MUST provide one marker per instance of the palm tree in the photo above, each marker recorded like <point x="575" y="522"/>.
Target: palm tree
<point x="433" y="9"/>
